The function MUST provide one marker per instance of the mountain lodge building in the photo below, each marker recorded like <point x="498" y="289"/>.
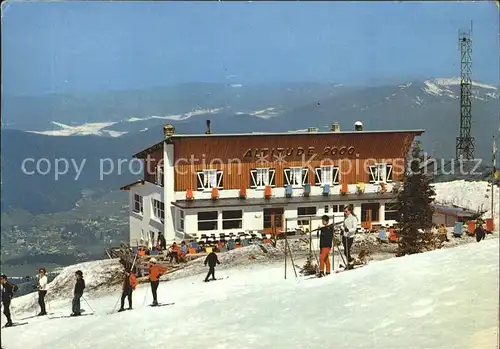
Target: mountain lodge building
<point x="208" y="185"/>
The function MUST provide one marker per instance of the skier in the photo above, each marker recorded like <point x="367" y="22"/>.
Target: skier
<point x="350" y="226"/>
<point x="129" y="284"/>
<point x="155" y="271"/>
<point x="212" y="261"/>
<point x="42" y="290"/>
<point x="78" y="293"/>
<point x="325" y="245"/>
<point x="8" y="290"/>
<point x="480" y="233"/>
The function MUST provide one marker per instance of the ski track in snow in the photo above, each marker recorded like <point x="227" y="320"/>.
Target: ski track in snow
<point x="444" y="298"/>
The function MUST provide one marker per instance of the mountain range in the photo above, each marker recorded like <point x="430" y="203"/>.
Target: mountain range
<point x="117" y="124"/>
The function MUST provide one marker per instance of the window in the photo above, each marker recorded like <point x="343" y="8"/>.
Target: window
<point x="232" y="219"/>
<point x="391" y="212"/>
<point x="159" y="176"/>
<point x="337" y="208"/>
<point x="181" y="220"/>
<point x="159" y="210"/>
<point x="305" y="212"/>
<point x="326" y="175"/>
<point x="380" y="173"/>
<point x="262" y="177"/>
<point x="295" y="176"/>
<point x="138" y="207"/>
<point x="208" y="179"/>
<point x="207" y="220"/>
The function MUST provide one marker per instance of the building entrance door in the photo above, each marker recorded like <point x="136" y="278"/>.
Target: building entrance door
<point x="369" y="213"/>
<point x="273" y="220"/>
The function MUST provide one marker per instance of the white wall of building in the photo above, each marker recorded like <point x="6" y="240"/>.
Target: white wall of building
<point x="169" y="192"/>
<point x="145" y="222"/>
<point x="253" y="217"/>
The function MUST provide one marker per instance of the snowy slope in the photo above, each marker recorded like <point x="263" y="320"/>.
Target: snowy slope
<point x="384" y="305"/>
<point x="469" y="195"/>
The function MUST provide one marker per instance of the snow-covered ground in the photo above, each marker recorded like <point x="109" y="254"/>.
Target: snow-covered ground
<point x="469" y="195"/>
<point x="384" y="305"/>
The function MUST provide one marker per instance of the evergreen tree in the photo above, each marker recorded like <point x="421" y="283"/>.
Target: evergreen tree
<point x="415" y="206"/>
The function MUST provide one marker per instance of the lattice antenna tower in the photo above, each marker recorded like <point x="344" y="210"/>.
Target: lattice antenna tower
<point x="465" y="142"/>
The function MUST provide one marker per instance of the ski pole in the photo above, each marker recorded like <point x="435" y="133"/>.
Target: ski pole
<point x="145" y="294"/>
<point x="88" y="304"/>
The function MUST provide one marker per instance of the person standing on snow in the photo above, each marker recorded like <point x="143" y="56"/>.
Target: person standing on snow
<point x="42" y="290"/>
<point x="480" y="233"/>
<point x="212" y="260"/>
<point x="8" y="290"/>
<point x="155" y="271"/>
<point x="78" y="293"/>
<point x="350" y="227"/>
<point x="325" y="245"/>
<point x="129" y="285"/>
<point x="162" y="243"/>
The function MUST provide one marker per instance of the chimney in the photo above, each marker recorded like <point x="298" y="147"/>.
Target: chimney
<point x="208" y="131"/>
<point x="358" y="126"/>
<point x="335" y="127"/>
<point x="168" y="130"/>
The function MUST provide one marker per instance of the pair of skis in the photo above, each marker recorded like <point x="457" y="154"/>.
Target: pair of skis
<point x="161" y="305"/>
<point x="15" y="324"/>
<point x="209" y="280"/>
<point x="68" y="316"/>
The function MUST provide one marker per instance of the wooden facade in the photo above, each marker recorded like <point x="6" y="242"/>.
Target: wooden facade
<point x="236" y="156"/>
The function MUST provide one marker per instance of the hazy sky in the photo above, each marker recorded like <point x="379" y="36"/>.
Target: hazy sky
<point x="98" y="46"/>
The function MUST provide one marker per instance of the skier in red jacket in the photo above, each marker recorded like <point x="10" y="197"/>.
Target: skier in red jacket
<point x="129" y="285"/>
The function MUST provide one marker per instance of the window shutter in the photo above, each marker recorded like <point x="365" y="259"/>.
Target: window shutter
<point x="389" y="173"/>
<point x="286" y="176"/>
<point x="272" y="178"/>
<point x="200" y="176"/>
<point x="305" y="176"/>
<point x="373" y="176"/>
<point x="253" y="180"/>
<point x="317" y="177"/>
<point x="220" y="179"/>
<point x="335" y="175"/>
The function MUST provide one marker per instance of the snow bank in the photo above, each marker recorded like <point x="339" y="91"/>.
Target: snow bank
<point x="469" y="195"/>
<point x="100" y="277"/>
<point x="383" y="305"/>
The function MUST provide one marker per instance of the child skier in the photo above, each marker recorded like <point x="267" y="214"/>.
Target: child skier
<point x="325" y="245"/>
<point x="78" y="293"/>
<point x="129" y="284"/>
<point x="212" y="260"/>
<point x="8" y="290"/>
<point x="155" y="271"/>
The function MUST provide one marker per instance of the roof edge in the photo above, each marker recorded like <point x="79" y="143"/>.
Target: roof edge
<point x="128" y="186"/>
